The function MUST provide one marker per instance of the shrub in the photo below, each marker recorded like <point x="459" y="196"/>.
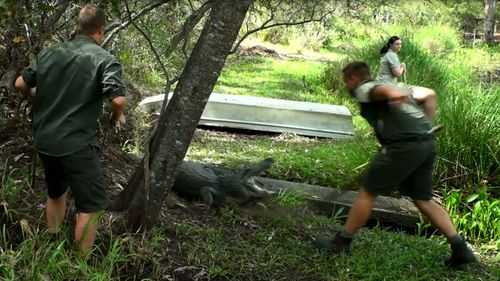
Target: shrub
<point x="438" y="39"/>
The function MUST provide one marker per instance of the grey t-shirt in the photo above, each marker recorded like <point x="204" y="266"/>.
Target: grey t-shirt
<point x="388" y="62"/>
<point x="392" y="122"/>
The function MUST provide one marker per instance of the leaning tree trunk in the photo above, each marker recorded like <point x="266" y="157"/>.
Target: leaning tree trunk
<point x="489" y="21"/>
<point x="151" y="183"/>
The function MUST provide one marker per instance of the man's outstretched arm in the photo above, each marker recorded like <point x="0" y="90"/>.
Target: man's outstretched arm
<point x="426" y="98"/>
<point x="117" y="108"/>
<point x="388" y="92"/>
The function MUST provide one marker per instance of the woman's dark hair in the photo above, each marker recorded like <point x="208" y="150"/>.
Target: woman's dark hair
<point x="387" y="46"/>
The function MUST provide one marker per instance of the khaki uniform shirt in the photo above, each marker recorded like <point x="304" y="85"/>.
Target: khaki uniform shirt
<point x="72" y="80"/>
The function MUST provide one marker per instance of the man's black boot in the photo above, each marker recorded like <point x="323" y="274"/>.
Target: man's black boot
<point x="460" y="253"/>
<point x="337" y="245"/>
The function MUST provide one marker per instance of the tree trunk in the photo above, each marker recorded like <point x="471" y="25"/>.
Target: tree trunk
<point x="176" y="126"/>
<point x="489" y="21"/>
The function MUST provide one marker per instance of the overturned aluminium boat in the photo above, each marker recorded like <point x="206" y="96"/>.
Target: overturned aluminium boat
<point x="269" y="115"/>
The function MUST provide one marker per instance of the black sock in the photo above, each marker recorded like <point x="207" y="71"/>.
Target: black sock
<point x="455" y="240"/>
<point x="346" y="236"/>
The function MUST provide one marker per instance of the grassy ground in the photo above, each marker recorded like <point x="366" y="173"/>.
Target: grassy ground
<point x="325" y="162"/>
<point x="279" y="249"/>
<point x="195" y="244"/>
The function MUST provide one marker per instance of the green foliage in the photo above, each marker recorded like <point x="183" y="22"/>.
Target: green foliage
<point x="285" y="14"/>
<point x="478" y="216"/>
<point x="161" y="25"/>
<point x="438" y="39"/>
<point x="11" y="181"/>
<point x="3" y="16"/>
<point x="140" y="121"/>
<point x="290" y="198"/>
<point x="138" y="64"/>
<point x="40" y="258"/>
<point x="272" y="247"/>
<point x="277" y="35"/>
<point x="331" y="79"/>
<point x="279" y="246"/>
<point x="273" y="78"/>
<point x="3" y="10"/>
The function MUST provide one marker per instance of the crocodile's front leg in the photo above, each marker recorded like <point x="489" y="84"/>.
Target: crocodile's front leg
<point x="210" y="196"/>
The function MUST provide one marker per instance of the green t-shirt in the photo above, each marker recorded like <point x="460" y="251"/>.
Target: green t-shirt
<point x="392" y="123"/>
<point x="388" y="61"/>
<point x="72" y="80"/>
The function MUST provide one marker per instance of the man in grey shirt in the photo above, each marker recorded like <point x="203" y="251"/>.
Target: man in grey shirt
<point x="402" y="123"/>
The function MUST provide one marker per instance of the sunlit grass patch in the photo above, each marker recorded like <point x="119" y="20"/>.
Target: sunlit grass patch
<point x="273" y="78"/>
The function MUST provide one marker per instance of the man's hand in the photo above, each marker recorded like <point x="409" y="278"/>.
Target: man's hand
<point x="118" y="122"/>
<point x="25" y="90"/>
<point x="117" y="106"/>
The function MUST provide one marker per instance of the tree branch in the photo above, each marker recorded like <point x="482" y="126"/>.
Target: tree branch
<point x="153" y="49"/>
<point x="187" y="27"/>
<point x="51" y="21"/>
<point x="266" y="26"/>
<point x="115" y="28"/>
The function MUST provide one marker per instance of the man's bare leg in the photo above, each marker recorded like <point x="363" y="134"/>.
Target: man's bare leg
<point x="85" y="231"/>
<point x="358" y="215"/>
<point x="437" y="216"/>
<point x="55" y="210"/>
<point x="360" y="212"/>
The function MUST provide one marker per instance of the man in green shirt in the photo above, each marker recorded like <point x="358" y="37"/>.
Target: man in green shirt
<point x="402" y="123"/>
<point x="72" y="80"/>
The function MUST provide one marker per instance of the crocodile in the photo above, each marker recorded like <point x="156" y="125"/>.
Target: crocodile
<point x="215" y="186"/>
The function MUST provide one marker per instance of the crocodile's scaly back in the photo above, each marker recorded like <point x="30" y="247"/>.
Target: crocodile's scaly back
<point x="213" y="185"/>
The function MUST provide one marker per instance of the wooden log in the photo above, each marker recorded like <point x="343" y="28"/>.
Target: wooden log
<point x="330" y="201"/>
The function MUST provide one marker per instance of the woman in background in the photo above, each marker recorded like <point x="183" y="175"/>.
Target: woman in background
<point x="390" y="66"/>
